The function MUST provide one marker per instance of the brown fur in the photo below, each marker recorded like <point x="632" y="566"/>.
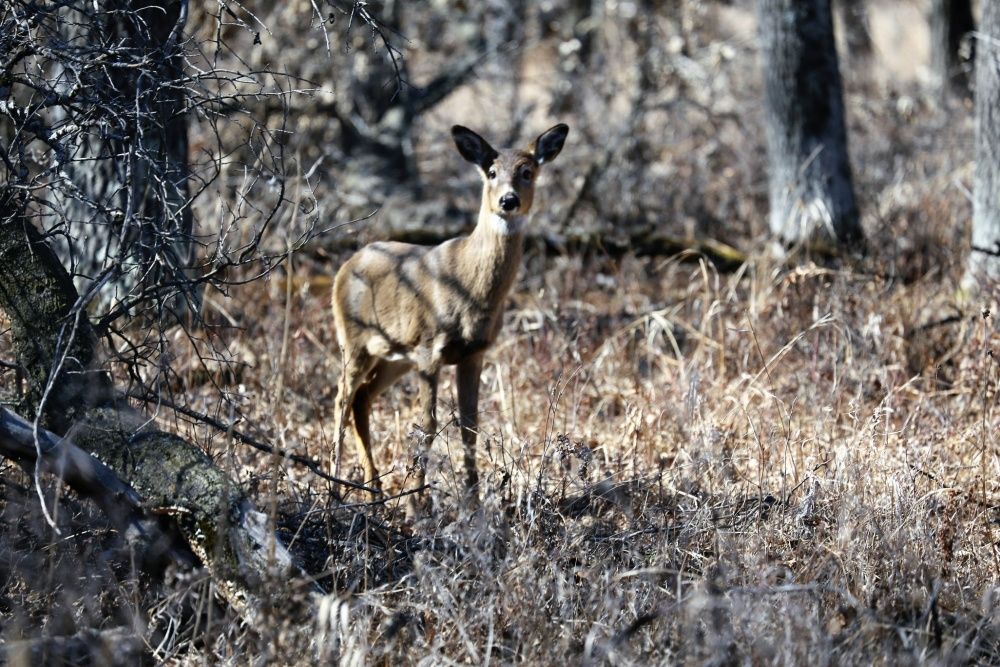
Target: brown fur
<point x="399" y="306"/>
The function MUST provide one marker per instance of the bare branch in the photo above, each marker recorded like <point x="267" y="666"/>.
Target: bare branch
<point x="20" y="441"/>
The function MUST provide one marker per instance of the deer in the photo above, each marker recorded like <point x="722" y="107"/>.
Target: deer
<point x="399" y="307"/>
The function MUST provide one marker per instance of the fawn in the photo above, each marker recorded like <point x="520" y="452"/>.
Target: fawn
<point x="399" y="306"/>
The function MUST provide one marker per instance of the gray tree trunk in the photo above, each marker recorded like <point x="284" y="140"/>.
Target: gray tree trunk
<point x="983" y="269"/>
<point x="129" y="204"/>
<point x="951" y="24"/>
<point x="811" y="195"/>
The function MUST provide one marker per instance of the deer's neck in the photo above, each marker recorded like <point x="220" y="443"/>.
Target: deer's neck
<point x="492" y="254"/>
<point x="503" y="227"/>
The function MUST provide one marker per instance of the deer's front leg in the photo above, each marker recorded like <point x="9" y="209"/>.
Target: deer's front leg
<point x="468" y="413"/>
<point x="428" y="383"/>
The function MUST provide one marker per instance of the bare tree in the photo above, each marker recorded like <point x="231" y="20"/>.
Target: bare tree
<point x="93" y="154"/>
<point x="127" y="201"/>
<point x="811" y="194"/>
<point x="379" y="103"/>
<point x="983" y="269"/>
<point x="952" y="49"/>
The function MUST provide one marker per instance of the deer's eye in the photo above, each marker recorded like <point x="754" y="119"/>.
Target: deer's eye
<point x="492" y="173"/>
<point x="527" y="174"/>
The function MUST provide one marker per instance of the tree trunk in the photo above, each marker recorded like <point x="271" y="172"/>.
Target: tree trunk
<point x="53" y="341"/>
<point x="129" y="204"/>
<point x="983" y="268"/>
<point x="811" y="195"/>
<point x="57" y="347"/>
<point x="951" y="22"/>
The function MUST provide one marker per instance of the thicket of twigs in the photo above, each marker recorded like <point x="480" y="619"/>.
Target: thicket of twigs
<point x="788" y="461"/>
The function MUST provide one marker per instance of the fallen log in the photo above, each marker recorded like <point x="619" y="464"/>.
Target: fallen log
<point x="73" y="397"/>
<point x="90" y="478"/>
<point x="431" y="224"/>
<point x="220" y="526"/>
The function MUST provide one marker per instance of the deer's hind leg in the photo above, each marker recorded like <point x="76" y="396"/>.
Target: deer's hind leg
<point x="356" y="366"/>
<point x="381" y="377"/>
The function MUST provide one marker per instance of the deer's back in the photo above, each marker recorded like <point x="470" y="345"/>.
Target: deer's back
<point x="402" y="301"/>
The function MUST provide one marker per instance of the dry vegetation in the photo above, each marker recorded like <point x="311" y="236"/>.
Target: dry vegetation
<point x="787" y="462"/>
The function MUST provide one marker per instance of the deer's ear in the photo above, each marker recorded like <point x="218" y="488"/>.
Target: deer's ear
<point x="549" y="143"/>
<point x="473" y="147"/>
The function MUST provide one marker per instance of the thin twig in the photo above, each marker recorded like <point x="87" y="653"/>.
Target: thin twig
<point x="231" y="429"/>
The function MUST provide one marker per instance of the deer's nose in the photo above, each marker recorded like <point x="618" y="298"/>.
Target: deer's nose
<point x="510" y="202"/>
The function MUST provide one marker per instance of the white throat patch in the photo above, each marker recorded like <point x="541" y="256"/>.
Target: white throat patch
<point x="507" y="226"/>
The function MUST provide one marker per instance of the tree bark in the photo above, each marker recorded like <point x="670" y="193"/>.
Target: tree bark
<point x="811" y="194"/>
<point x="53" y="339"/>
<point x="951" y="22"/>
<point x="983" y="269"/>
<point x="129" y="205"/>
<point x="171" y="475"/>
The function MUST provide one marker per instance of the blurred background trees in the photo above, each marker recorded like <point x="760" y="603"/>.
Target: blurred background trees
<point x="984" y="260"/>
<point x="952" y="43"/>
<point x="809" y="171"/>
<point x="662" y="97"/>
<point x="858" y="46"/>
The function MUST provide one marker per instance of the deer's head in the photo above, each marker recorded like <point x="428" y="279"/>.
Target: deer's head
<point x="509" y="175"/>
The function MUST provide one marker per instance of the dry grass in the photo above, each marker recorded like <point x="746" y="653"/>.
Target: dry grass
<point x="791" y="462"/>
<point x="782" y="463"/>
<point x="777" y="464"/>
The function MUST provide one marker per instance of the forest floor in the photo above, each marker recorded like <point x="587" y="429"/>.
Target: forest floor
<point x="785" y="462"/>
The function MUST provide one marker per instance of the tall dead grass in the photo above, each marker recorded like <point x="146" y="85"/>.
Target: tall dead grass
<point x="792" y="462"/>
<point x="787" y="463"/>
